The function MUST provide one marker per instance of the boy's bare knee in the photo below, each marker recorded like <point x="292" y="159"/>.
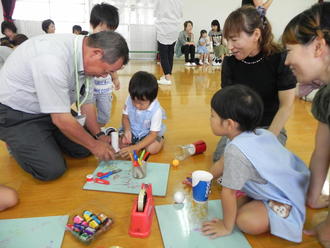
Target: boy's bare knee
<point x="154" y="148"/>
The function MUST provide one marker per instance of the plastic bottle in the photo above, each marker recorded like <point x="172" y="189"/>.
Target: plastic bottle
<point x="184" y="151"/>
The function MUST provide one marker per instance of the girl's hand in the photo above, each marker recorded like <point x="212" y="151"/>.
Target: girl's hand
<point x="188" y="181"/>
<point x="215" y="228"/>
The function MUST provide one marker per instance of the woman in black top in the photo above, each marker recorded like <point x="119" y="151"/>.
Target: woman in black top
<point x="257" y="62"/>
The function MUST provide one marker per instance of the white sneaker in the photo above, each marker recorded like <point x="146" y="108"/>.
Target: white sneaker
<point x="214" y="63"/>
<point x="164" y="82"/>
<point x="187" y="64"/>
<point x="193" y="64"/>
<point x="162" y="77"/>
<point x="218" y="63"/>
<point x="201" y="62"/>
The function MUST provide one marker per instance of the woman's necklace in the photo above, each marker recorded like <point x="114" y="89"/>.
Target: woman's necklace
<point x="252" y="62"/>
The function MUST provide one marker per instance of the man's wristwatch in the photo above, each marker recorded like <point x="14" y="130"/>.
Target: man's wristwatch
<point x="96" y="136"/>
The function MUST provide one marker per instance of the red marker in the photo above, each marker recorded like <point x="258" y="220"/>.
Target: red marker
<point x="101" y="181"/>
<point x="146" y="156"/>
<point x="136" y="163"/>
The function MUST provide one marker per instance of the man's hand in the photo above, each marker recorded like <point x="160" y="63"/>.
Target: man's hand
<point x="105" y="138"/>
<point x="103" y="151"/>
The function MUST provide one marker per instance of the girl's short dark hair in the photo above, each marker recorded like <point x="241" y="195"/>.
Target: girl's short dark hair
<point x="45" y="25"/>
<point x="216" y="23"/>
<point x="185" y="24"/>
<point x="104" y="13"/>
<point x="8" y="25"/>
<point x="239" y="103"/>
<point x="143" y="86"/>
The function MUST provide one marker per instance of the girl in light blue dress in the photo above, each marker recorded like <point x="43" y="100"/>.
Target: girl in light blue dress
<point x="202" y="48"/>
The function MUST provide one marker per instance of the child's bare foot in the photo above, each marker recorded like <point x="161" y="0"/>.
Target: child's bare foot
<point x="322" y="232"/>
<point x="321" y="202"/>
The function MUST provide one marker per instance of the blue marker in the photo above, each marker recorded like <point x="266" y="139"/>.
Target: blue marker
<point x="136" y="158"/>
<point x="110" y="173"/>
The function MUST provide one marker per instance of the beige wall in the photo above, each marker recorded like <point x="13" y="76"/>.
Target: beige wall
<point x="202" y="12"/>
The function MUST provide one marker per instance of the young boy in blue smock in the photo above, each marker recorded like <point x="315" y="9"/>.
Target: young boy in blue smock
<point x="274" y="180"/>
<point x="142" y="120"/>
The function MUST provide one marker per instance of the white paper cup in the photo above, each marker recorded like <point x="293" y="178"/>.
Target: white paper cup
<point x="201" y="181"/>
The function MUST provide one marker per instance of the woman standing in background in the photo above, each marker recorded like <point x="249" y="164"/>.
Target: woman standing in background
<point x="168" y="17"/>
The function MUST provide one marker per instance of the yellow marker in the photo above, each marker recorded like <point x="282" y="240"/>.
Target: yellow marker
<point x="87" y="217"/>
<point x="130" y="154"/>
<point x="93" y="224"/>
<point x="142" y="154"/>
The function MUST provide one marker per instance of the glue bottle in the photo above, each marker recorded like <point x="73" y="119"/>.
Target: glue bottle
<point x="184" y="151"/>
<point x="115" y="141"/>
<point x="113" y="133"/>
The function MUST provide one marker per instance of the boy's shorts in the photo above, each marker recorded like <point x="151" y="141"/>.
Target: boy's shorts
<point x="136" y="140"/>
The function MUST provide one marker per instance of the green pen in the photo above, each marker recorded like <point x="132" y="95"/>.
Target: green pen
<point x="142" y="154"/>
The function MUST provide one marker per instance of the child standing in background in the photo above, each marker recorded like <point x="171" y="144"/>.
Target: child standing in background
<point x="216" y="37"/>
<point x="142" y="116"/>
<point x="274" y="179"/>
<point x="202" y="48"/>
<point x="104" y="17"/>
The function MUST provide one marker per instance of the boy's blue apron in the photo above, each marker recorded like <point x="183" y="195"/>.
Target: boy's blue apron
<point x="141" y="122"/>
<point x="287" y="178"/>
